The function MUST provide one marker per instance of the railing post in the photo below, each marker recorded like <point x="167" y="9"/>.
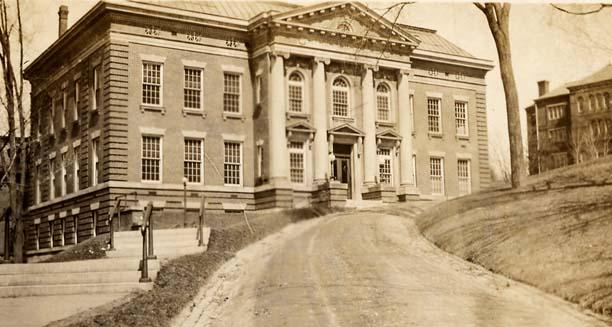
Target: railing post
<point x="200" y="234"/>
<point x="144" y="276"/>
<point x="150" y="226"/>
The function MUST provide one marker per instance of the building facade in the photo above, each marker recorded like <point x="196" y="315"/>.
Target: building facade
<point x="254" y="105"/>
<point x="570" y="124"/>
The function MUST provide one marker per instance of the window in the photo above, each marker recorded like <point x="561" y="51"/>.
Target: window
<point x="557" y="134"/>
<point x="606" y="101"/>
<point x="37" y="185"/>
<point x="433" y="115"/>
<point x="52" y="118"/>
<point x="385" y="170"/>
<point x="296" y="162"/>
<point x="64" y="106"/>
<point x="51" y="233"/>
<point x="414" y="170"/>
<point x="95" y="161"/>
<point x="258" y="89"/>
<point x="97" y="92"/>
<point x="296" y="92"/>
<point x="231" y="92"/>
<point x="461" y="124"/>
<point x="580" y="104"/>
<point x="151" y="83"/>
<point x="383" y="96"/>
<point x="76" y="100"/>
<point x="600" y="102"/>
<point x="75" y="229"/>
<point x="436" y="174"/>
<point x="151" y="158"/>
<point x="192" y="165"/>
<point x="463" y="176"/>
<point x="559" y="159"/>
<point x="75" y="169"/>
<point x="411" y="111"/>
<point x="592" y="103"/>
<point x="51" y="180"/>
<point x="64" y="175"/>
<point x="193" y="88"/>
<point x="340" y="97"/>
<point x="232" y="163"/>
<point x="556" y="112"/>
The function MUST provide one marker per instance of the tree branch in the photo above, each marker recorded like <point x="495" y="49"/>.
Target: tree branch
<point x="582" y="13"/>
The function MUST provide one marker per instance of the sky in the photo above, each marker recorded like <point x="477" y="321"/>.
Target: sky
<point x="546" y="44"/>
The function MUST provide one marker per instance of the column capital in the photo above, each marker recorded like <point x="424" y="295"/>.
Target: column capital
<point x="276" y="53"/>
<point x="323" y="60"/>
<point x="403" y="73"/>
<point x="371" y="67"/>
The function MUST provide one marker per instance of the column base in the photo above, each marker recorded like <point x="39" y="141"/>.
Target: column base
<point x="383" y="192"/>
<point x="408" y="192"/>
<point x="331" y="194"/>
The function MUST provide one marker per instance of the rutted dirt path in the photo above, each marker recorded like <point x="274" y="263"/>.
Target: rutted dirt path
<point x="366" y="269"/>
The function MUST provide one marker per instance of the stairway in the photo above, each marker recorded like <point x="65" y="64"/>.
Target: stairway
<point x="118" y="273"/>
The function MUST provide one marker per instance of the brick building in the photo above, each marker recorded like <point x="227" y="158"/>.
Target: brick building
<point x="255" y="105"/>
<point x="571" y="123"/>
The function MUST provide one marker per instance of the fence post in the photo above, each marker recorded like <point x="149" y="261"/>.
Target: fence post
<point x="200" y="234"/>
<point x="144" y="277"/>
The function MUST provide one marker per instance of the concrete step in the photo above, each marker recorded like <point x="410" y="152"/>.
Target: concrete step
<point x="179" y="232"/>
<point x="167" y="252"/>
<point x="99" y="265"/>
<point x="105" y="277"/>
<point x="65" y="289"/>
<point x="158" y="244"/>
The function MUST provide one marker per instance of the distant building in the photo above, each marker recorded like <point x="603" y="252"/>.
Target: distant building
<point x="572" y="123"/>
<point x="257" y="105"/>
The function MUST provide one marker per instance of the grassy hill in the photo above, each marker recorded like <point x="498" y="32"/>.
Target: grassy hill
<point x="554" y="233"/>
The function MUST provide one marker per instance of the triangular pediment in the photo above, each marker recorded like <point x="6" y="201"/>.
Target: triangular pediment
<point x="389" y="134"/>
<point x="301" y="126"/>
<point x="346" y="129"/>
<point x="351" y="18"/>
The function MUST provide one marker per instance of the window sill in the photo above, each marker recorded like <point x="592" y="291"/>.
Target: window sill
<point x="154" y="108"/>
<point x="228" y="115"/>
<point x="301" y="115"/>
<point x="384" y="123"/>
<point x="194" y="112"/>
<point x="463" y="137"/>
<point x="343" y="119"/>
<point x="435" y="135"/>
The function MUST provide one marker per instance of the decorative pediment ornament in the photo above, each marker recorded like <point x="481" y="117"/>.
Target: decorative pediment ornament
<point x="346" y="130"/>
<point x="301" y="127"/>
<point x="346" y="19"/>
<point x="388" y="134"/>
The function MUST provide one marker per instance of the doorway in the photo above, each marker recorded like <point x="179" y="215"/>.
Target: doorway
<point x="341" y="167"/>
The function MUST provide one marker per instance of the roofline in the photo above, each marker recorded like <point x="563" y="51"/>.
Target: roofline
<point x="478" y="63"/>
<point x="545" y="97"/>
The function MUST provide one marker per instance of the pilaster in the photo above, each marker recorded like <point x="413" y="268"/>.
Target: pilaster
<point x="276" y="121"/>
<point x="319" y="110"/>
<point x="369" y="126"/>
<point x="405" y="129"/>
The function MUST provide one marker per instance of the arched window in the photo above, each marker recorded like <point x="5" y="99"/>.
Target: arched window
<point x="606" y="97"/>
<point x="383" y="101"/>
<point x="340" y="97"/>
<point x="580" y="104"/>
<point x="296" y="92"/>
<point x="345" y="27"/>
<point x="600" y="102"/>
<point x="592" y="103"/>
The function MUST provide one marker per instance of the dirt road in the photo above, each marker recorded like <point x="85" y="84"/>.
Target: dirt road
<point x="366" y="269"/>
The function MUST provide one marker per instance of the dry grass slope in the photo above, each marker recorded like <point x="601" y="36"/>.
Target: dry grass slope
<point x="554" y="233"/>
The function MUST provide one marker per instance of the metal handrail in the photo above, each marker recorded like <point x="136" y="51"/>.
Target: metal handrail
<point x="146" y="234"/>
<point x="116" y="207"/>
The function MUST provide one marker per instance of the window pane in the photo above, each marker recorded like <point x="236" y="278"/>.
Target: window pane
<point x="296" y="162"/>
<point x="151" y="83"/>
<point x="151" y="157"/>
<point x="436" y="175"/>
<point x="232" y="163"/>
<point x="463" y="176"/>
<point x="461" y="118"/>
<point x="433" y="115"/>
<point x="193" y="88"/>
<point x="193" y="161"/>
<point x="340" y="96"/>
<point x="231" y="93"/>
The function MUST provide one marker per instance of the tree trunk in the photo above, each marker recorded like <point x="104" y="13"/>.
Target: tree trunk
<point x="498" y="17"/>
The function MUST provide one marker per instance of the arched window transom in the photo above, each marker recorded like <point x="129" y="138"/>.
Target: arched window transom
<point x="383" y="96"/>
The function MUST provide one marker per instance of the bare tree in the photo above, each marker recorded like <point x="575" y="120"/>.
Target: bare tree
<point x="498" y="17"/>
<point x="575" y="143"/>
<point x="12" y="101"/>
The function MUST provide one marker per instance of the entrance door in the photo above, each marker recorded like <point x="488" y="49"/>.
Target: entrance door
<point x="341" y="170"/>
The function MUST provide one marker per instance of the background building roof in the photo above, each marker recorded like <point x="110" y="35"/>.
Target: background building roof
<point x="601" y="75"/>
<point x="431" y="41"/>
<point x="561" y="90"/>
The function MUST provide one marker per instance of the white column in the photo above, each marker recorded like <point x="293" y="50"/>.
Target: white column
<point x="319" y="117"/>
<point x="369" y="126"/>
<point x="357" y="154"/>
<point x="405" y="130"/>
<point x="277" y="121"/>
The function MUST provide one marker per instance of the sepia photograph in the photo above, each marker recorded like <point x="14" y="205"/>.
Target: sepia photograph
<point x="305" y="163"/>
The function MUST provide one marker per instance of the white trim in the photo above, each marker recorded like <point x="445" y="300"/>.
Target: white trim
<point x="52" y="155"/>
<point x="199" y="138"/>
<point x="240" y="94"/>
<point x="63" y="214"/>
<point x="302" y="85"/>
<point x="463" y="155"/>
<point x="463" y="98"/>
<point x="194" y="134"/>
<point x="201" y="70"/>
<point x="437" y="95"/>
<point x="95" y="134"/>
<point x="75" y="211"/>
<point x="64" y="149"/>
<point x="38" y="162"/>
<point x="232" y="69"/>
<point x="94" y="206"/>
<point x="37" y="221"/>
<point x="51" y="217"/>
<point x="233" y="206"/>
<point x="259" y="142"/>
<point x="233" y="137"/>
<point x="161" y="157"/>
<point x="241" y="146"/>
<point x="161" y="82"/>
<point x="194" y="64"/>
<point x="152" y="58"/>
<point x="153" y="131"/>
<point x="76" y="143"/>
